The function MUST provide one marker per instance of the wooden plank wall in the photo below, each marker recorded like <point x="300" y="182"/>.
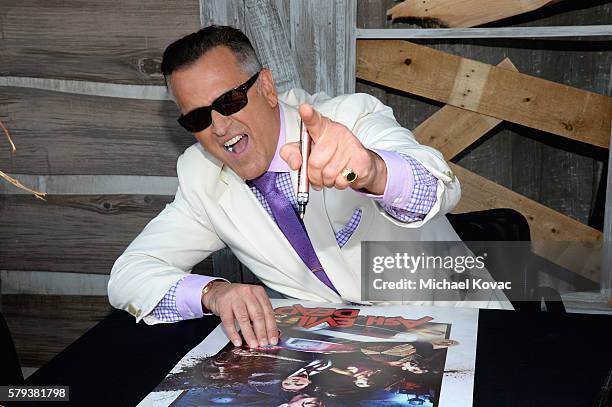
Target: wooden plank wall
<point x="89" y="152"/>
<point x="81" y="93"/>
<point x="606" y="276"/>
<point x="560" y="174"/>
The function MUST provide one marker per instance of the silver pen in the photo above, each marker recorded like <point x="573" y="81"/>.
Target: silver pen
<point x="303" y="184"/>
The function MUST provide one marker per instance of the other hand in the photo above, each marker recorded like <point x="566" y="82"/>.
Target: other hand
<point x="249" y="305"/>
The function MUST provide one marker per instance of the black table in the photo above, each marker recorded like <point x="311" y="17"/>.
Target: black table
<point x="523" y="359"/>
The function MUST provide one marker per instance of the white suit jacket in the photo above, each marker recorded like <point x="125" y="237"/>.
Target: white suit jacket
<point x="214" y="207"/>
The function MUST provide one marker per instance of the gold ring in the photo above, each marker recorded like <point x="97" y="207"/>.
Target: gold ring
<point x="349" y="175"/>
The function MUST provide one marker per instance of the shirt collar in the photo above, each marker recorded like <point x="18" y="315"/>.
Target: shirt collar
<point x="278" y="164"/>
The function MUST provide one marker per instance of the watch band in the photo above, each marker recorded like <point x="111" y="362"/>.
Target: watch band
<point x="205" y="290"/>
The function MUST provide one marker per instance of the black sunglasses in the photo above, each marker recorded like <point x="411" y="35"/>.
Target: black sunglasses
<point x="228" y="103"/>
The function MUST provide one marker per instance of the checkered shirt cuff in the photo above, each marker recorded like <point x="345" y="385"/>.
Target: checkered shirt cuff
<point x="410" y="192"/>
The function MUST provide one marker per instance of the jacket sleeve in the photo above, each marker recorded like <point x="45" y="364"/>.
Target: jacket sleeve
<point x="164" y="252"/>
<point x="376" y="127"/>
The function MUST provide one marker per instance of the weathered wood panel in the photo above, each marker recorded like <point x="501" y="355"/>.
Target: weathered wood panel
<point x="450" y="13"/>
<point x="93" y="185"/>
<point x="322" y="44"/>
<point x="583" y="12"/>
<point x="271" y="41"/>
<point x="61" y="133"/>
<point x="43" y="325"/>
<point x="515" y="159"/>
<point x="71" y="233"/>
<point x="486" y="89"/>
<point x="460" y="127"/>
<point x="373" y="14"/>
<point x="545" y="223"/>
<point x="589" y="31"/>
<point x="102" y="40"/>
<point x="451" y="130"/>
<point x="52" y="283"/>
<point x="606" y="277"/>
<point x="223" y="12"/>
<point x="145" y="92"/>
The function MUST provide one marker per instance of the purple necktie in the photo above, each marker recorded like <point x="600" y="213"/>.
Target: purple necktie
<point x="289" y="223"/>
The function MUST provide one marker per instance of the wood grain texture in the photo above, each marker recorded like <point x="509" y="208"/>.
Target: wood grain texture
<point x="94" y="185"/>
<point x="506" y="95"/>
<point x="321" y="44"/>
<point x="147" y="92"/>
<point x="516" y="158"/>
<point x="451" y="130"/>
<point x="269" y="37"/>
<point x="511" y="155"/>
<point x="223" y="12"/>
<point x="52" y="283"/>
<point x="606" y="277"/>
<point x="464" y="13"/>
<point x="60" y="133"/>
<point x="373" y="14"/>
<point x="103" y="41"/>
<point x="43" y="325"/>
<point x="72" y="233"/>
<point x="486" y="33"/>
<point x="478" y="193"/>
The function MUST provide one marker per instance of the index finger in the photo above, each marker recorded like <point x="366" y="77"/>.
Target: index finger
<point x="315" y="122"/>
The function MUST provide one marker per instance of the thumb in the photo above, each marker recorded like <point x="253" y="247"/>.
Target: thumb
<point x="290" y="152"/>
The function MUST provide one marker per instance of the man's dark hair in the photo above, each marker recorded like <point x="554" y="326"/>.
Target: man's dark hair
<point x="185" y="51"/>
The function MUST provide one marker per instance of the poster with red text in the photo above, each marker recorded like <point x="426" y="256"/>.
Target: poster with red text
<point x="334" y="355"/>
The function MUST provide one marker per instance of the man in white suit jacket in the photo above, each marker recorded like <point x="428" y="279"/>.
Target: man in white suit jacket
<point x="248" y="127"/>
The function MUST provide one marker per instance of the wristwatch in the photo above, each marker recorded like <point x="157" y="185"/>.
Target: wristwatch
<point x="205" y="290"/>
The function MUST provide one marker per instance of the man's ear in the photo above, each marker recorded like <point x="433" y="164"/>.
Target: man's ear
<point x="268" y="87"/>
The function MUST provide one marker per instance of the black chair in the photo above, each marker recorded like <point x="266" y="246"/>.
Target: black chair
<point x="507" y="262"/>
<point x="504" y="262"/>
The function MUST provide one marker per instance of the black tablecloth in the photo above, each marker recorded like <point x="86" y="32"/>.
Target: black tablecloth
<point x="522" y="359"/>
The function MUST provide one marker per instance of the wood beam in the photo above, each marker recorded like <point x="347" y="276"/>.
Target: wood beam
<point x="606" y="277"/>
<point x="479" y="193"/>
<point x="463" y="13"/>
<point x="585" y="31"/>
<point x="486" y="89"/>
<point x="451" y="130"/>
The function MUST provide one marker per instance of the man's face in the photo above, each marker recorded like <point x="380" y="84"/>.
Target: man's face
<point x="295" y="383"/>
<point x="258" y="123"/>
<point x="306" y="402"/>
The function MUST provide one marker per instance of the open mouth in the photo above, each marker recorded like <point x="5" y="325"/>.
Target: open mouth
<point x="236" y="144"/>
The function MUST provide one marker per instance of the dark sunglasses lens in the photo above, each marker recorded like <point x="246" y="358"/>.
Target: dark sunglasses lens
<point x="196" y="120"/>
<point x="231" y="102"/>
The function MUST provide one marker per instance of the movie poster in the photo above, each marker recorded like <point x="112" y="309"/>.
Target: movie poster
<point x="334" y="355"/>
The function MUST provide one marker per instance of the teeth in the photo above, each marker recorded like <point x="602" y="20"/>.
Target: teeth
<point x="229" y="143"/>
